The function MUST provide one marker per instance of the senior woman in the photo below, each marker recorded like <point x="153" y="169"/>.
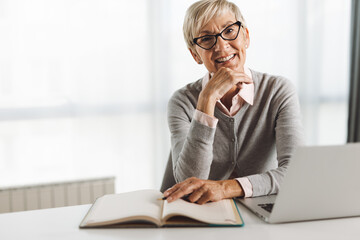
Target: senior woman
<point x="234" y="131"/>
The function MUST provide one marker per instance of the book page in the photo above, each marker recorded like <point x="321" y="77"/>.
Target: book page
<point x="112" y="207"/>
<point x="220" y="212"/>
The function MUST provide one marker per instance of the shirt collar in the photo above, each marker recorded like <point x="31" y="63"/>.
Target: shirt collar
<point x="246" y="93"/>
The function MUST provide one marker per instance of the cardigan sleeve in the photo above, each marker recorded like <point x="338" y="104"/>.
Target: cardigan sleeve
<point x="191" y="141"/>
<point x="288" y="135"/>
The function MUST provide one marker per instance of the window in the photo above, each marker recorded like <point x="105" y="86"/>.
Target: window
<point x="84" y="85"/>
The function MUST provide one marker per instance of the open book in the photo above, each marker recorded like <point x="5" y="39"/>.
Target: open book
<point x="144" y="209"/>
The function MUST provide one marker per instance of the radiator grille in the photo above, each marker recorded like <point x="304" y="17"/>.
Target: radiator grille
<point x="58" y="194"/>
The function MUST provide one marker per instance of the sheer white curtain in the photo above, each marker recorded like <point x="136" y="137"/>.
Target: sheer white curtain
<point x="76" y="92"/>
<point x="84" y="84"/>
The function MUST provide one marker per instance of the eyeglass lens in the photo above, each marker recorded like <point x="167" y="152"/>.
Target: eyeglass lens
<point x="229" y="33"/>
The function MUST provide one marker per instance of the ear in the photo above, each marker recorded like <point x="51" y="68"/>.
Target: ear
<point x="196" y="57"/>
<point x="247" y="37"/>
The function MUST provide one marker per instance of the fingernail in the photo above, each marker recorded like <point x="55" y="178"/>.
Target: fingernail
<point x="169" y="199"/>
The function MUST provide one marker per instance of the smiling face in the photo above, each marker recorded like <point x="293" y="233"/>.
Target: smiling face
<point x="230" y="54"/>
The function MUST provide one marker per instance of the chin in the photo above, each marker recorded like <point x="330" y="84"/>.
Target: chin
<point x="237" y="68"/>
<point x="233" y="65"/>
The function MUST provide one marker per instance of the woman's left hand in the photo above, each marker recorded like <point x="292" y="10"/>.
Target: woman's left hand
<point x="203" y="191"/>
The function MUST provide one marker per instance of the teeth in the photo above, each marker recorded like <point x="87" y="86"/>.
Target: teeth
<point x="225" y="58"/>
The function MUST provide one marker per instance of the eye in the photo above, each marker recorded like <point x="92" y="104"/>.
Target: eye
<point x="229" y="30"/>
<point x="205" y="39"/>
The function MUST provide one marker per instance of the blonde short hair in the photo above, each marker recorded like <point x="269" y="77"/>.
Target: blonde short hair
<point x="201" y="12"/>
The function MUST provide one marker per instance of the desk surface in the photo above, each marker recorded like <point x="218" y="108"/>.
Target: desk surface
<point x="62" y="223"/>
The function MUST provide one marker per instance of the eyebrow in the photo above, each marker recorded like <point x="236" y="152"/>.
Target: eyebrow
<point x="223" y="27"/>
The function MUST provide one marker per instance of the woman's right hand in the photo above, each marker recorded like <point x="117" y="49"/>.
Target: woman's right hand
<point x="203" y="191"/>
<point x="224" y="81"/>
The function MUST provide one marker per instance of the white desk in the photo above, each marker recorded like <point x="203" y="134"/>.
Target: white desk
<point x="62" y="223"/>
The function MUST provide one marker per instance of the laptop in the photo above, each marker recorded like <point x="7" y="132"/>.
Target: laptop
<point x="321" y="182"/>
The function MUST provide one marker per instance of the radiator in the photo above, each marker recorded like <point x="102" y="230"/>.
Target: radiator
<point x="59" y="194"/>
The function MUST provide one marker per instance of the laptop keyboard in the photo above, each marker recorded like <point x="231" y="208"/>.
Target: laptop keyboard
<point x="267" y="206"/>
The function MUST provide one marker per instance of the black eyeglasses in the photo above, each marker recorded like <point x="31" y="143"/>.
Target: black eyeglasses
<point x="229" y="33"/>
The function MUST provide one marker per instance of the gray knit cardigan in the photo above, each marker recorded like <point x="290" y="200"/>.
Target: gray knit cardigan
<point x="258" y="142"/>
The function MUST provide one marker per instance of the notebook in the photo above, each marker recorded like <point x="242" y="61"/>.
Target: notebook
<point x="145" y="208"/>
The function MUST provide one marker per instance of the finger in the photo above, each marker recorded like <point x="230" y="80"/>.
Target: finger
<point x="184" y="190"/>
<point x="169" y="191"/>
<point x="243" y="78"/>
<point x="174" y="188"/>
<point x="180" y="192"/>
<point x="232" y="77"/>
<point x="206" y="197"/>
<point x="196" y="195"/>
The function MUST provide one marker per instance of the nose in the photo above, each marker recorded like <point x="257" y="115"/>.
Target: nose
<point x="221" y="44"/>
